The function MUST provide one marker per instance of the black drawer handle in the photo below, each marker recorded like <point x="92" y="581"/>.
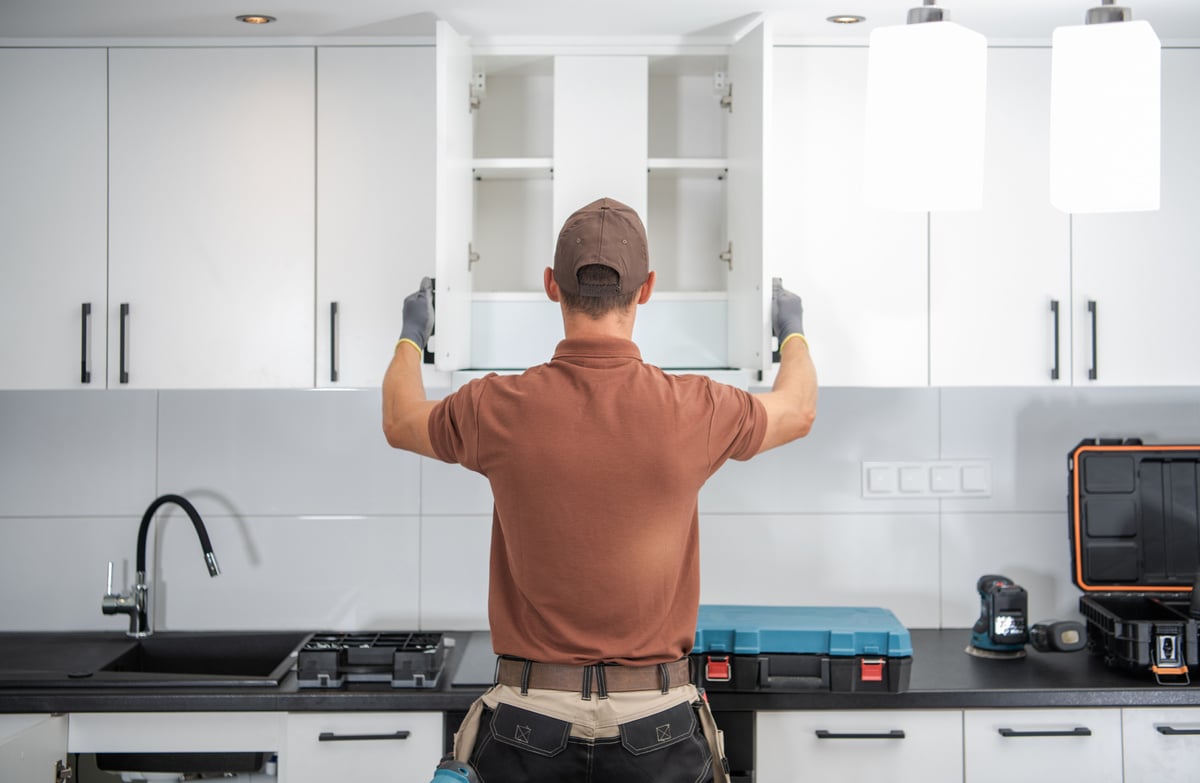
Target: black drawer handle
<point x="1171" y="731"/>
<point x="893" y="734"/>
<point x="333" y="342"/>
<point x="85" y="376"/>
<point x="329" y="736"/>
<point x="1054" y="369"/>
<point x="1078" y="731"/>
<point x="1093" y="372"/>
<point x="124" y="369"/>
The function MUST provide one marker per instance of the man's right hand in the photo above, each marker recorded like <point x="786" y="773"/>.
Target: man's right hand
<point x="787" y="313"/>
<point x="418" y="315"/>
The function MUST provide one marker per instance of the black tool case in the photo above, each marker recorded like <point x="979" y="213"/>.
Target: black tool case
<point x="1135" y="552"/>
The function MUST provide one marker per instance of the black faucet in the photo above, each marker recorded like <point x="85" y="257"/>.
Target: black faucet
<point x="137" y="605"/>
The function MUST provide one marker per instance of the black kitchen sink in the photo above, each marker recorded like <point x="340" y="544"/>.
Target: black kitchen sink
<point x="166" y="659"/>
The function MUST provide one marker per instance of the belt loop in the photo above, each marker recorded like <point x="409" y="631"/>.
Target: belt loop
<point x="664" y="677"/>
<point x="525" y="668"/>
<point x="585" y="692"/>
<point x="601" y="681"/>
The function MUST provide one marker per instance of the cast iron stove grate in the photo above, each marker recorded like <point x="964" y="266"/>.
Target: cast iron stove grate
<point x="400" y="658"/>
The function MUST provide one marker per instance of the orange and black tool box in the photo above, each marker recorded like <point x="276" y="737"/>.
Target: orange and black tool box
<point x="1135" y="552"/>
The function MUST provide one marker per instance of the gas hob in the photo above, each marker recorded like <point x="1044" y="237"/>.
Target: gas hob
<point x="398" y="658"/>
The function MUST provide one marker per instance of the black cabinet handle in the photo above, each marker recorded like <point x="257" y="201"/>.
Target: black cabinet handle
<point x="85" y="375"/>
<point x="1054" y="369"/>
<point x="124" y="340"/>
<point x="333" y="342"/>
<point x="1092" y="370"/>
<point x="329" y="736"/>
<point x="1078" y="731"/>
<point x="1171" y="731"/>
<point x="829" y="735"/>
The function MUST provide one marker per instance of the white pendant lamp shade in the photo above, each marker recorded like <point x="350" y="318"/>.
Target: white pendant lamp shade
<point x="1105" y="118"/>
<point x="926" y="98"/>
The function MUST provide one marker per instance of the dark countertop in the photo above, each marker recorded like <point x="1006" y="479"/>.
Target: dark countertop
<point x="942" y="677"/>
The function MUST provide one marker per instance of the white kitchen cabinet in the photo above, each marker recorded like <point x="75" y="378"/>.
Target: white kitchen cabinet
<point x="859" y="746"/>
<point x="53" y="152"/>
<point x="1042" y="745"/>
<point x="33" y="748"/>
<point x="1000" y="276"/>
<point x="211" y="217"/>
<point x="1161" y="745"/>
<point x="177" y="732"/>
<point x="522" y="148"/>
<point x="403" y="747"/>
<point x="861" y="272"/>
<point x="1137" y="271"/>
<point x="376" y="150"/>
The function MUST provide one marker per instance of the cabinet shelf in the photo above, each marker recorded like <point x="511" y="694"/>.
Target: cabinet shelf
<point x="685" y="167"/>
<point x="512" y="168"/>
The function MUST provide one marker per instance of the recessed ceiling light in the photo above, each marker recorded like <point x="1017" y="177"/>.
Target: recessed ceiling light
<point x="846" y="19"/>
<point x="256" y="19"/>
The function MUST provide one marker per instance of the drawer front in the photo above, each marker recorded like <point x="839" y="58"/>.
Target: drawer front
<point x="323" y="746"/>
<point x="859" y="746"/>
<point x="1161" y="745"/>
<point x="1042" y="745"/>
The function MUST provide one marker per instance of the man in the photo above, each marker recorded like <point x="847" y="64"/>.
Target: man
<point x="595" y="460"/>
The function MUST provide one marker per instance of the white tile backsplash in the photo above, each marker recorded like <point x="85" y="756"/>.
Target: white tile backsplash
<point x="319" y="524"/>
<point x="888" y="560"/>
<point x="314" y="573"/>
<point x="283" y="453"/>
<point x="822" y="472"/>
<point x="76" y="453"/>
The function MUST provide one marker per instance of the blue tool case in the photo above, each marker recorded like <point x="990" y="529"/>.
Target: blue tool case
<point x="791" y="649"/>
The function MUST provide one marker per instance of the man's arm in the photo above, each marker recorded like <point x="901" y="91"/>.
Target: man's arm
<point x="792" y="402"/>
<point x="405" y="409"/>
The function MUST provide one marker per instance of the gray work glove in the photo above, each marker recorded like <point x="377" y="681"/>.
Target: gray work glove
<point x="787" y="314"/>
<point x="418" y="315"/>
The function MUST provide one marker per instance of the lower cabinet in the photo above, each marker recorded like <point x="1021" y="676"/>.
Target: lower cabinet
<point x="1042" y="745"/>
<point x="400" y="747"/>
<point x="33" y="747"/>
<point x="867" y="746"/>
<point x="1161" y="745"/>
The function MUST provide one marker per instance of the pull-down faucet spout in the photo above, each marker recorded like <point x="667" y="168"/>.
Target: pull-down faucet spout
<point x="137" y="605"/>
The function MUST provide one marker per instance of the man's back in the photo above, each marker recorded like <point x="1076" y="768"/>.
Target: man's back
<point x="595" y="461"/>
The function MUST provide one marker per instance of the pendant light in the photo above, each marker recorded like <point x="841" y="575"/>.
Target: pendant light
<point x="926" y="98"/>
<point x="1105" y="114"/>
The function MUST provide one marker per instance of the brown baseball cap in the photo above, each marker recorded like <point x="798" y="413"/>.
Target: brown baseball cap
<point x="608" y="233"/>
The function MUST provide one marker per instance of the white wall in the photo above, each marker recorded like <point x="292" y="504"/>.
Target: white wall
<point x="318" y="524"/>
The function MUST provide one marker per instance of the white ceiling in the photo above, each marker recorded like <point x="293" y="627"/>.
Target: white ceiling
<point x="1014" y="21"/>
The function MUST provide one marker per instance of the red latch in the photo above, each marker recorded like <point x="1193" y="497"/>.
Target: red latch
<point x="872" y="670"/>
<point x="716" y="668"/>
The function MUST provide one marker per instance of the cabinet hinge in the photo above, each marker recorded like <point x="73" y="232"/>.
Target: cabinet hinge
<point x="472" y="256"/>
<point x="477" y="90"/>
<point x="727" y="256"/>
<point x="724" y="88"/>
<point x="62" y="772"/>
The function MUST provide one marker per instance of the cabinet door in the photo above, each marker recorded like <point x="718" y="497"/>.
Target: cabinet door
<point x="407" y="746"/>
<point x="211" y="217"/>
<point x="376" y="147"/>
<point x="855" y="747"/>
<point x="454" y="200"/>
<point x="32" y="747"/>
<point x="999" y="277"/>
<point x="1047" y="745"/>
<point x="53" y="152"/>
<point x="1139" y="268"/>
<point x="1161" y="746"/>
<point x="861" y="272"/>
<point x="751" y="70"/>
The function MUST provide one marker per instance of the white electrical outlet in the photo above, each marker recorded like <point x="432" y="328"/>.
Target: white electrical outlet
<point x="931" y="479"/>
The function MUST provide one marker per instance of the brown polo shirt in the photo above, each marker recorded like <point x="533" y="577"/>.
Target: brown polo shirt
<point x="595" y="460"/>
